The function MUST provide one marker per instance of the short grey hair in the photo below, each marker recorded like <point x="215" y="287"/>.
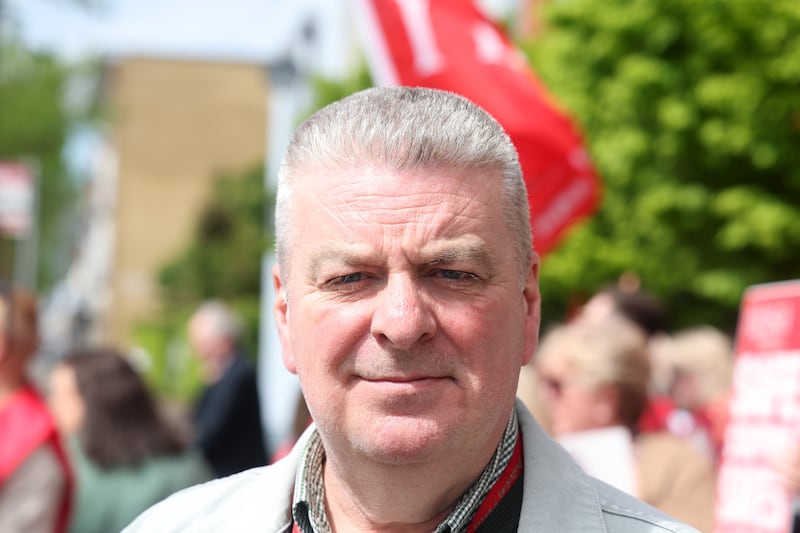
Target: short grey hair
<point x="403" y="128"/>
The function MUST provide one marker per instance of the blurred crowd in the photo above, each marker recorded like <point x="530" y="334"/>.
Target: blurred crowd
<point x="638" y="407"/>
<point x="91" y="448"/>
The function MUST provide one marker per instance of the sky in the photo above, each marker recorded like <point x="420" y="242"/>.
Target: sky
<point x="246" y="30"/>
<point x="243" y="30"/>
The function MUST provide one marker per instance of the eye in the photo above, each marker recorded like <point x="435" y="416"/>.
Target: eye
<point x="457" y="275"/>
<point x="345" y="282"/>
<point x="350" y="278"/>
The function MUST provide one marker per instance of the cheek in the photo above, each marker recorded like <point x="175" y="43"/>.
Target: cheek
<point x="76" y="415"/>
<point x="68" y="411"/>
<point x="489" y="350"/>
<point x="323" y="336"/>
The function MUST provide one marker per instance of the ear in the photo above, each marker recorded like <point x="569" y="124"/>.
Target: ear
<point x="281" y="313"/>
<point x="533" y="310"/>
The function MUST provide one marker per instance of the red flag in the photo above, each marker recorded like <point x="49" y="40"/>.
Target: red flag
<point x="452" y="45"/>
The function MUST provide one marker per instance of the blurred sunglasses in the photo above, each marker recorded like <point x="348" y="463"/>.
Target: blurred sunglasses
<point x="553" y="386"/>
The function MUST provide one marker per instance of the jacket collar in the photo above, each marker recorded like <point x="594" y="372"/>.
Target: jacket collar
<point x="557" y="494"/>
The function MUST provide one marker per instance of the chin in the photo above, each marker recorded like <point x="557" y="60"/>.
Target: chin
<point x="404" y="441"/>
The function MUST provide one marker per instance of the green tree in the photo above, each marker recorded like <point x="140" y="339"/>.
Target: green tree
<point x="223" y="259"/>
<point x="691" y="111"/>
<point x="34" y="123"/>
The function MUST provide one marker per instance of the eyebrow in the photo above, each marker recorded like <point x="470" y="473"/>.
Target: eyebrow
<point x="444" y="254"/>
<point x="342" y="254"/>
<point x="462" y="252"/>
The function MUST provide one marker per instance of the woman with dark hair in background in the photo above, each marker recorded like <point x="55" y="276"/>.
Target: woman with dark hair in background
<point x="125" y="456"/>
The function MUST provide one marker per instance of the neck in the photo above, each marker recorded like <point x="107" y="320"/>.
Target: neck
<point x="361" y="495"/>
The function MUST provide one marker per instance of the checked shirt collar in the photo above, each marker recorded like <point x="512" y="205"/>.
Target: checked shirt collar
<point x="308" y="506"/>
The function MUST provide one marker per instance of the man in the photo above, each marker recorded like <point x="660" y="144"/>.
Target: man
<point x="407" y="301"/>
<point x="35" y="478"/>
<point x="227" y="418"/>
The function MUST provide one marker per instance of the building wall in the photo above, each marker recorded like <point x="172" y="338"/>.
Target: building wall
<point x="177" y="125"/>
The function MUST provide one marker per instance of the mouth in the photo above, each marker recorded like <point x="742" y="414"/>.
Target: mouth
<point x="405" y="384"/>
<point x="411" y="378"/>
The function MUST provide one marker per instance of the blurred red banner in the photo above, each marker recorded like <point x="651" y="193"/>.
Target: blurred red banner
<point x="764" y="425"/>
<point x="452" y="45"/>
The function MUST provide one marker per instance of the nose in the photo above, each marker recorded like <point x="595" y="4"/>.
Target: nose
<point x="402" y="316"/>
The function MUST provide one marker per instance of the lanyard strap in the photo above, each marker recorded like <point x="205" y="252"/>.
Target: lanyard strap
<point x="504" y="484"/>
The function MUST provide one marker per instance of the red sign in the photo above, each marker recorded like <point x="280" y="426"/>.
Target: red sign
<point x="452" y="45"/>
<point x="764" y="411"/>
<point x="16" y="199"/>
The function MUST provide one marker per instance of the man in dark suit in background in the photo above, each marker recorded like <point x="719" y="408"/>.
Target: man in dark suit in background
<point x="227" y="418"/>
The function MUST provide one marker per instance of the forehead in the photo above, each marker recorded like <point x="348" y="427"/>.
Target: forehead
<point x="421" y="203"/>
<point x="370" y="189"/>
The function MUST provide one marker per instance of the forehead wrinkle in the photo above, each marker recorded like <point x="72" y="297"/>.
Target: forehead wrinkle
<point x="388" y="208"/>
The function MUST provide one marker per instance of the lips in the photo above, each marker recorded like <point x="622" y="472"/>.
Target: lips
<point x="401" y="378"/>
<point x="405" y="385"/>
<point x="398" y="379"/>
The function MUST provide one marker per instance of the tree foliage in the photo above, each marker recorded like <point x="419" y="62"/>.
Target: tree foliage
<point x="34" y="123"/>
<point x="691" y="111"/>
<point x="223" y="259"/>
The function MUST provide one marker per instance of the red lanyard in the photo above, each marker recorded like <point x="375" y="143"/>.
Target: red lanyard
<point x="510" y="475"/>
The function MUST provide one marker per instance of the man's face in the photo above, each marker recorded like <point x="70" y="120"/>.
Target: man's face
<point x="407" y="321"/>
<point x="213" y="351"/>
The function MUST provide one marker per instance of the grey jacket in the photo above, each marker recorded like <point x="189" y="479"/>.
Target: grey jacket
<point x="557" y="497"/>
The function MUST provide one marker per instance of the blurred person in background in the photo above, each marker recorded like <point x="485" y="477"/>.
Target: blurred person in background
<point x="125" y="456"/>
<point x="701" y="359"/>
<point x="623" y="300"/>
<point x="35" y="477"/>
<point x="594" y="381"/>
<point x="300" y="422"/>
<point x="227" y="419"/>
<point x="787" y="468"/>
<point x="628" y="300"/>
<point x="528" y="391"/>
